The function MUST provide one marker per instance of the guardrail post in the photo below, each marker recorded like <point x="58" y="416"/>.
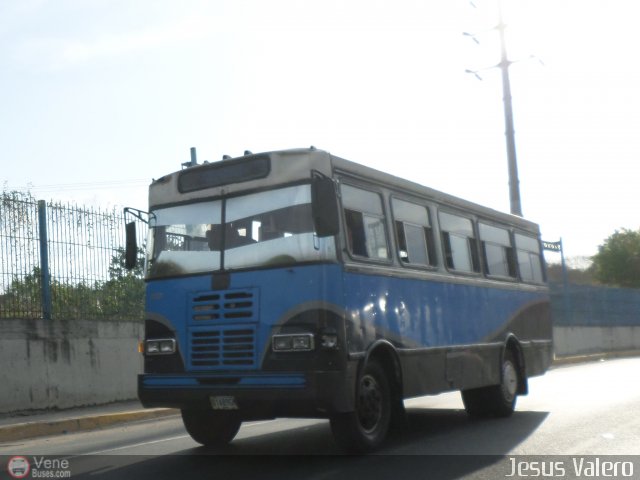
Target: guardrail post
<point x="45" y="279"/>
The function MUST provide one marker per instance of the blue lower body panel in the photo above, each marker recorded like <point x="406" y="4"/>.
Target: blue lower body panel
<point x="257" y="395"/>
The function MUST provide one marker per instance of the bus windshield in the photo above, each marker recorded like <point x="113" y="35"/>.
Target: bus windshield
<point x="262" y="229"/>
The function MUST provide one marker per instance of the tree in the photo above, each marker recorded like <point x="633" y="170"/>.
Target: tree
<point x="119" y="298"/>
<point x="117" y="269"/>
<point x="122" y="296"/>
<point x="22" y="298"/>
<point x="618" y="260"/>
<point x="578" y="276"/>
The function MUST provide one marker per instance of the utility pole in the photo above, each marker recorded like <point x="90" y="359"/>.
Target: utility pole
<point x="505" y="63"/>
<point x="514" y="182"/>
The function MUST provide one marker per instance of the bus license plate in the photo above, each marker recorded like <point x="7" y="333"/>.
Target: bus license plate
<point x="223" y="403"/>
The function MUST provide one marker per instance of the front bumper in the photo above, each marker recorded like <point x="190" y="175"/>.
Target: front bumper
<point x="258" y="395"/>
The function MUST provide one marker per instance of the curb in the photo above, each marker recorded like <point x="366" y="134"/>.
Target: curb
<point x="20" y="431"/>
<point x="593" y="357"/>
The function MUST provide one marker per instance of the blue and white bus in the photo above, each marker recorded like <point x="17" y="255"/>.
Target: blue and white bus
<point x="298" y="284"/>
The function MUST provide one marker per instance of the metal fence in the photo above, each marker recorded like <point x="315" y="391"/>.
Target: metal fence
<point x="594" y="306"/>
<point x="65" y="262"/>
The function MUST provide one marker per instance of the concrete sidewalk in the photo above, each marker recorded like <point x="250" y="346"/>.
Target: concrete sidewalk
<point x="39" y="424"/>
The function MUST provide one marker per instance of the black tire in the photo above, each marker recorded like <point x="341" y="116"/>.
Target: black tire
<point x="476" y="402"/>
<point x="364" y="429"/>
<point x="211" y="428"/>
<point x="495" y="400"/>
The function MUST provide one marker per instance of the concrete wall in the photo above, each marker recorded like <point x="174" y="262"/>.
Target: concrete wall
<point x="583" y="340"/>
<point x="62" y="364"/>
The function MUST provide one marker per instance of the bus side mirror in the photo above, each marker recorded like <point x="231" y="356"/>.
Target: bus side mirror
<point x="131" y="250"/>
<point x="324" y="206"/>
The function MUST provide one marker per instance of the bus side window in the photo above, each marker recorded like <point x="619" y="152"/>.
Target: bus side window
<point x="448" y="254"/>
<point x="403" y="251"/>
<point x="529" y="263"/>
<point x="364" y="218"/>
<point x="511" y="258"/>
<point x="355" y="233"/>
<point x="416" y="245"/>
<point x="459" y="243"/>
<point x="497" y="251"/>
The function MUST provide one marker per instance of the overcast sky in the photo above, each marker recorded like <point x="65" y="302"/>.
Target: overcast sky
<point x="98" y="97"/>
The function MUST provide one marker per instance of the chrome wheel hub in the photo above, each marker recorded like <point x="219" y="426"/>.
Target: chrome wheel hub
<point x="509" y="380"/>
<point x="369" y="403"/>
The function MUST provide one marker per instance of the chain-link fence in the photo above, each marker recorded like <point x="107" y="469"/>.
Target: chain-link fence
<point x="65" y="262"/>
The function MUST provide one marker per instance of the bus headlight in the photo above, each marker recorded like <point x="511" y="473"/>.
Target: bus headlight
<point x="161" y="346"/>
<point x="297" y="342"/>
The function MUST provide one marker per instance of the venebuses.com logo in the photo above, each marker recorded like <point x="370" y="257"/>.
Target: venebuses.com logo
<point x="18" y="467"/>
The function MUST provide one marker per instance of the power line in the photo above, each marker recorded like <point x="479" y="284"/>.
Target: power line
<point x="135" y="183"/>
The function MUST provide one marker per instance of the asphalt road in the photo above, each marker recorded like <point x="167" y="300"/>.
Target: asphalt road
<point x="579" y="414"/>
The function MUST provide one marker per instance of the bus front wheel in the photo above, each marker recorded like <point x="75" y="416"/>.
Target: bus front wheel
<point x="211" y="428"/>
<point x="495" y="400"/>
<point x="365" y="429"/>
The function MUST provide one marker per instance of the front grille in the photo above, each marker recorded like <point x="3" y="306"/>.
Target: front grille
<point x="224" y="347"/>
<point x="227" y="305"/>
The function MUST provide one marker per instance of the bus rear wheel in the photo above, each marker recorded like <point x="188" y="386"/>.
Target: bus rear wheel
<point x="365" y="429"/>
<point x="495" y="400"/>
<point x="211" y="428"/>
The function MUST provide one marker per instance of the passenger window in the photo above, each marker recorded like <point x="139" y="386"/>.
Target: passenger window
<point x="414" y="233"/>
<point x="528" y="252"/>
<point x="459" y="243"/>
<point x="364" y="217"/>
<point x="497" y="251"/>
